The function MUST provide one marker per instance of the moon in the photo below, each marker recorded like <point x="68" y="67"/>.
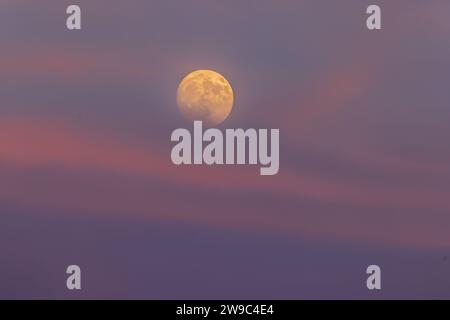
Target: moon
<point x="205" y="95"/>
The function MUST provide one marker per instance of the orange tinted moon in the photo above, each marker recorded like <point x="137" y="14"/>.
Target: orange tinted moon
<point x="205" y="95"/>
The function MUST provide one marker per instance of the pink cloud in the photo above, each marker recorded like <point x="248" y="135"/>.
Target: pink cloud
<point x="37" y="143"/>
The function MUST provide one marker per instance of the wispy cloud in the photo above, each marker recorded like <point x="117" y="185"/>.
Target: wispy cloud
<point x="40" y="146"/>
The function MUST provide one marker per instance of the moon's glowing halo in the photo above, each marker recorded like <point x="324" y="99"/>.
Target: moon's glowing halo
<point x="205" y="95"/>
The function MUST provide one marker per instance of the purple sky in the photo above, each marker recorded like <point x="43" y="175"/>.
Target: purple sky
<point x="85" y="169"/>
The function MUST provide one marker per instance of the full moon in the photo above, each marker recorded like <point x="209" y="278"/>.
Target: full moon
<point x="205" y="95"/>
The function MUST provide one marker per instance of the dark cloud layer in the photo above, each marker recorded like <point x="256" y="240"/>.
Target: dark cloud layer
<point x="182" y="261"/>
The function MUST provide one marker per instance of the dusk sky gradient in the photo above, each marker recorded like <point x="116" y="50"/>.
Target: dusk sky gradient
<point x="86" y="176"/>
